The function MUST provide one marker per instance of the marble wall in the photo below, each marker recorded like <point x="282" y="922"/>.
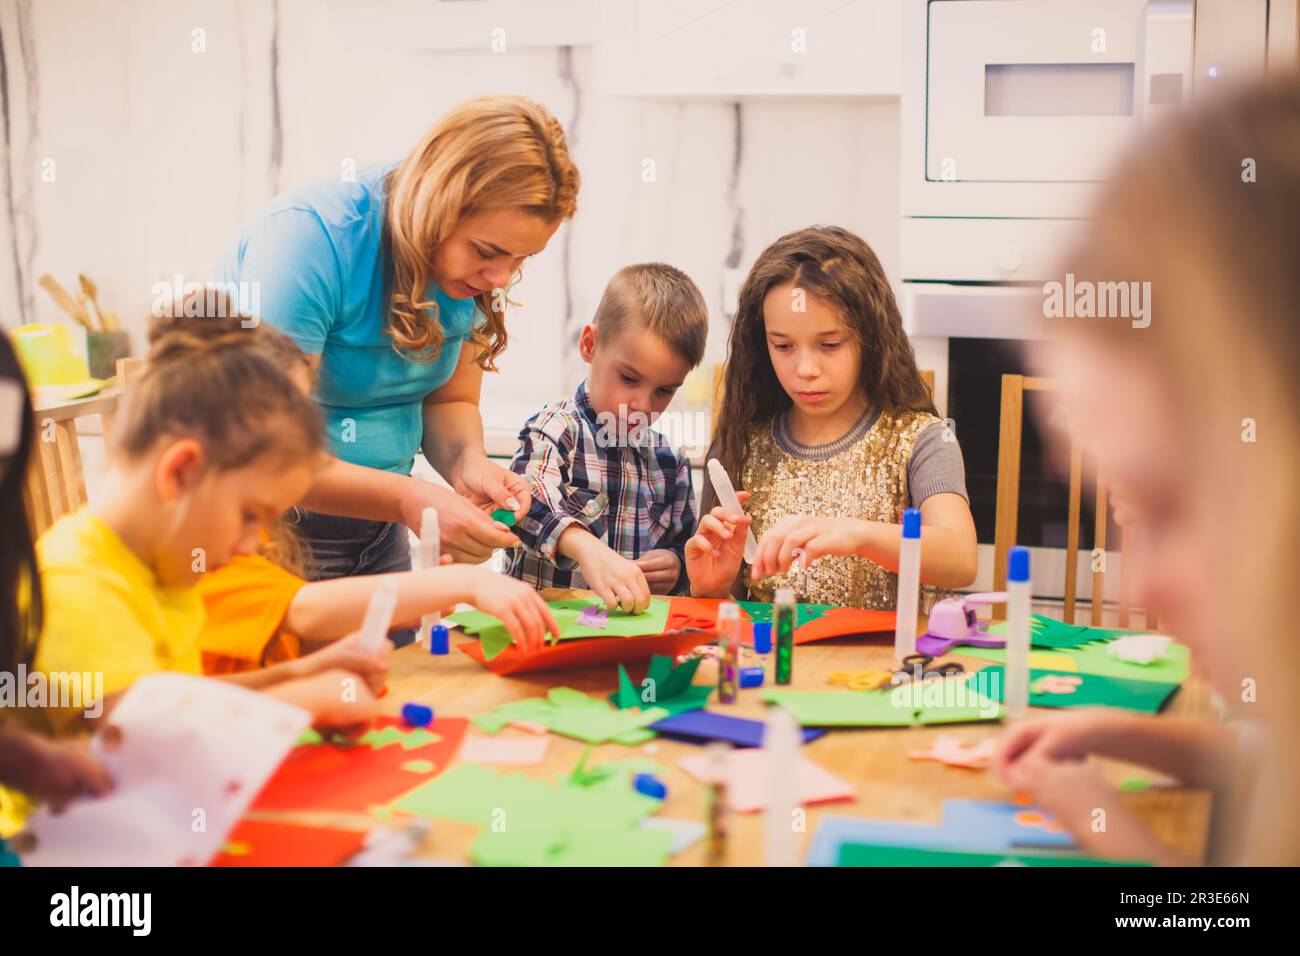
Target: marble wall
<point x="134" y="146"/>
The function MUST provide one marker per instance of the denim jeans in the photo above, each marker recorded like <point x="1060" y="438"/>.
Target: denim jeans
<point x="340" y="547"/>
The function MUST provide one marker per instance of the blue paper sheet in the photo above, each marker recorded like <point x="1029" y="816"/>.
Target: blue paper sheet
<point x="698" y="726"/>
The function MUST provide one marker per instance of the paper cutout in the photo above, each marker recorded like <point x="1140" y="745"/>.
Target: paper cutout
<point x="1055" y="684"/>
<point x="748" y="780"/>
<point x="406" y="739"/>
<point x="419" y="766"/>
<point x="260" y="843"/>
<point x="574" y="714"/>
<point x="667" y="686"/>
<point x="1093" y="690"/>
<point x="632" y="847"/>
<point x="950" y="701"/>
<point x="954" y="752"/>
<point x="565" y="654"/>
<point x="857" y="854"/>
<point x="1049" y="632"/>
<point x="1139" y="648"/>
<point x="350" y="779"/>
<point x="182" y="742"/>
<point x="803" y="613"/>
<point x="1173" y="668"/>
<point x="593" y="616"/>
<point x="613" y="774"/>
<point x="494" y="638"/>
<point x="474" y="794"/>
<point x="971" y="825"/>
<point x="701" y="726"/>
<point x="522" y="751"/>
<point x="683" y="834"/>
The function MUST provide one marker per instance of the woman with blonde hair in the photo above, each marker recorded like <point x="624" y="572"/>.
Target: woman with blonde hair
<point x="395" y="284"/>
<point x="1192" y="419"/>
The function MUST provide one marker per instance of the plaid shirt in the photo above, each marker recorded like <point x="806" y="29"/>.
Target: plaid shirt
<point x="634" y="497"/>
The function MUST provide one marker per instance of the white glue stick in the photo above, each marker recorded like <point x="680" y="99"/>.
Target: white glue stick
<point x="727" y="498"/>
<point x="430" y="557"/>
<point x="1016" y="692"/>
<point x="379" y="616"/>
<point x="909" y="585"/>
<point x="781" y="740"/>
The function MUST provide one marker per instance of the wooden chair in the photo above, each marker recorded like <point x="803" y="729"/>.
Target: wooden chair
<point x="56" y="481"/>
<point x="1008" y="505"/>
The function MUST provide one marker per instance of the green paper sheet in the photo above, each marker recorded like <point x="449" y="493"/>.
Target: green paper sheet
<point x="931" y="702"/>
<point x="574" y="714"/>
<point x="406" y="739"/>
<point x="494" y="638"/>
<point x="1173" y="668"/>
<point x="552" y="848"/>
<point x="506" y="803"/>
<point x="670" y="687"/>
<point x="860" y="854"/>
<point x="1143" y="696"/>
<point x="1049" y="632"/>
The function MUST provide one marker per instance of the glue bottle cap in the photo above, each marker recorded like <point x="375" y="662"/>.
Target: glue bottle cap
<point x="1018" y="566"/>
<point x="912" y="523"/>
<point x="439" y="639"/>
<point x="729" y="611"/>
<point x="763" y="637"/>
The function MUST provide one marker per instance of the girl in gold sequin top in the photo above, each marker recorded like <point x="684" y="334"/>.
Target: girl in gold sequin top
<point x="828" y="427"/>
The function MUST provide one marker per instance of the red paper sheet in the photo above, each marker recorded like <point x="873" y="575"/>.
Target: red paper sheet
<point x="257" y="843"/>
<point x="351" y="779"/>
<point x="588" y="651"/>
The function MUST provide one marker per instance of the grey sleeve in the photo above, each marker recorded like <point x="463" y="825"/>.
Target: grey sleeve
<point x="936" y="466"/>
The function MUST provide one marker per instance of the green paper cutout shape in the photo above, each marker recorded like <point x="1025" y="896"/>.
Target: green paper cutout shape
<point x="572" y="713"/>
<point x="673" y="690"/>
<point x="1143" y="696"/>
<point x="761" y="611"/>
<point x="860" y="854"/>
<point x="308" y="738"/>
<point x="406" y="739"/>
<point x="471" y="793"/>
<point x="552" y="848"/>
<point x="1173" y="668"/>
<point x="505" y="516"/>
<point x="1049" y="632"/>
<point x="929" y="702"/>
<point x="494" y="638"/>
<point x="419" y="766"/>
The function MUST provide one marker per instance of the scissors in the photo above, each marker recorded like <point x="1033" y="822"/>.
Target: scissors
<point x="861" y="680"/>
<point x="917" y="667"/>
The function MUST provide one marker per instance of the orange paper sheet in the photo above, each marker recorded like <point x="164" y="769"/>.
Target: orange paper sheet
<point x="588" y="651"/>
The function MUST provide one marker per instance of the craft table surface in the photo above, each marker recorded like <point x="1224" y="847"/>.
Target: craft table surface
<point x="874" y="760"/>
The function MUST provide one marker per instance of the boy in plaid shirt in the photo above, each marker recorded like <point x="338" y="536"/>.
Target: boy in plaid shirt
<point x="612" y="504"/>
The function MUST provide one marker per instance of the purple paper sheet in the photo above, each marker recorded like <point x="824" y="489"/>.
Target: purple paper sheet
<point x="700" y="726"/>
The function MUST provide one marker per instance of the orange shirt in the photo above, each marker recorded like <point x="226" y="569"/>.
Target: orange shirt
<point x="246" y="602"/>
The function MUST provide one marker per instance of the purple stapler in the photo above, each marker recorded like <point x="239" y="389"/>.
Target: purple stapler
<point x="953" y="622"/>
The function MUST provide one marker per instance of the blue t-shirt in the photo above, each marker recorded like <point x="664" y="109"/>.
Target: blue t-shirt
<point x="317" y="256"/>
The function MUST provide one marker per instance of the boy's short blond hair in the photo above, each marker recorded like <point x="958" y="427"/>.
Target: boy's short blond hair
<point x="660" y="298"/>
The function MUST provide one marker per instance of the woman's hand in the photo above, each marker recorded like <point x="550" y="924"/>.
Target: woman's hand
<point x="714" y="553"/>
<point x="519" y="607"/>
<point x="661" y="568"/>
<point x="54" y="771"/>
<point x="468" y="534"/>
<point x="807" y="538"/>
<point x="491" y="487"/>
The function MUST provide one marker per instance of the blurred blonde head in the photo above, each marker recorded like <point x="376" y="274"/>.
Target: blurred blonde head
<point x="1194" y="416"/>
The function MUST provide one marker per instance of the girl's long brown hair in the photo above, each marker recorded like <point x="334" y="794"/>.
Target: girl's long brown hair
<point x="840" y="269"/>
<point x="20" y="585"/>
<point x="490" y="153"/>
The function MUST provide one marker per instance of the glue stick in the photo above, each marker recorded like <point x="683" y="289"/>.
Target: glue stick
<point x="430" y="557"/>
<point x="727" y="498"/>
<point x="781" y="745"/>
<point x="783" y="612"/>
<point x="729" y="648"/>
<point x="1016" y="674"/>
<point x="379" y="615"/>
<point x="909" y="584"/>
<point x="716" y="802"/>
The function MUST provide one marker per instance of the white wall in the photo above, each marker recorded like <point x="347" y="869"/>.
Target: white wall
<point x="159" y="152"/>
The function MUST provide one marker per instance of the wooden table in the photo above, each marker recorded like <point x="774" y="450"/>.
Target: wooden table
<point x="874" y="760"/>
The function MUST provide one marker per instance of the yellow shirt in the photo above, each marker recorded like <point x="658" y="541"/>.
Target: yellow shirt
<point x="106" y="613"/>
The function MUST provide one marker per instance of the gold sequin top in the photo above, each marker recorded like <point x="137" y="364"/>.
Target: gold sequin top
<point x="861" y="475"/>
